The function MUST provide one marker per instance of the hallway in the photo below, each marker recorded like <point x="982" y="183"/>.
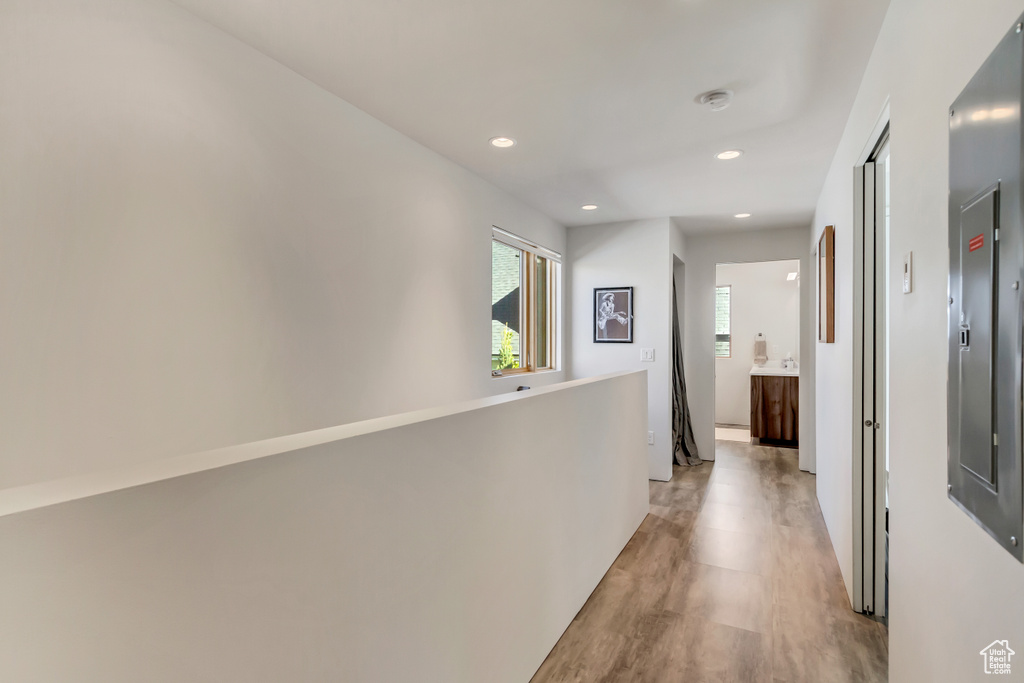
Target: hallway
<point x="731" y="577"/>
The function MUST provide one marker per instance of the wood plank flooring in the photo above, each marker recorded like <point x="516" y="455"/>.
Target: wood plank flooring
<point x="731" y="577"/>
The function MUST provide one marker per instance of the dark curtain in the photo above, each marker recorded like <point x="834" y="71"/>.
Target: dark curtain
<point x="684" y="449"/>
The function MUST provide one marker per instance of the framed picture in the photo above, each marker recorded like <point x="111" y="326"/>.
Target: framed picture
<point x="827" y="286"/>
<point x="613" y="315"/>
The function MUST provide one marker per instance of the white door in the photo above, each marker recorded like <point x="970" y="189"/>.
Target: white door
<point x="870" y="373"/>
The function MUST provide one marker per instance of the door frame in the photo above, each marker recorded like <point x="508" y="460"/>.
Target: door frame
<point x="870" y="381"/>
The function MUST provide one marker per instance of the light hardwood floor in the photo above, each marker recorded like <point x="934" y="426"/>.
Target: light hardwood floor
<point x="731" y="577"/>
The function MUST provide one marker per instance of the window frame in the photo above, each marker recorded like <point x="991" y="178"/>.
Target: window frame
<point x="729" y="340"/>
<point x="529" y="271"/>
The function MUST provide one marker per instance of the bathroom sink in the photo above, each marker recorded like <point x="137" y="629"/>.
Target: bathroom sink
<point x="774" y="367"/>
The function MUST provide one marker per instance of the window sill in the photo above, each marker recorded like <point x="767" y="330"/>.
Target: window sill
<point x="527" y="373"/>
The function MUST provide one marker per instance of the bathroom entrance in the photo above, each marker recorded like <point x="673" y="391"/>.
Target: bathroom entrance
<point x="757" y="352"/>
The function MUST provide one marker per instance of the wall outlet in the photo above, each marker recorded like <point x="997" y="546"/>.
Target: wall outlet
<point x="908" y="272"/>
<point x="650" y="438"/>
<point x="647" y="355"/>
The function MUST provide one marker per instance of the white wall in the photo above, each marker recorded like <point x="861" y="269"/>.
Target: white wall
<point x="639" y="255"/>
<point x="422" y="547"/>
<point x="202" y="248"/>
<point x="677" y="245"/>
<point x="761" y="300"/>
<point x="703" y="251"/>
<point x="952" y="589"/>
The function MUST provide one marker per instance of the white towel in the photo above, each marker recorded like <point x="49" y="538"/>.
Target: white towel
<point x="760" y="351"/>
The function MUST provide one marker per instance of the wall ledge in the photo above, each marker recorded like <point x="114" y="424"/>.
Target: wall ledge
<point x="19" y="499"/>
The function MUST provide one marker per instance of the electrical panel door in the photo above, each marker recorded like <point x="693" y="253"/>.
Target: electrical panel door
<point x="978" y="258"/>
<point x="986" y="310"/>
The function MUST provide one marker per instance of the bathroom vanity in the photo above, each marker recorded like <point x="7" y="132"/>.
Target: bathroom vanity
<point x="775" y="402"/>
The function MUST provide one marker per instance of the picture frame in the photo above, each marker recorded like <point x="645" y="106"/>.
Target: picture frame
<point x="826" y="260"/>
<point x="613" y="315"/>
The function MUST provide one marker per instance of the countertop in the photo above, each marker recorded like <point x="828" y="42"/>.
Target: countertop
<point x="773" y="368"/>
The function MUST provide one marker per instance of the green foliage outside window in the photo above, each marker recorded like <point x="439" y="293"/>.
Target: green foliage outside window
<point x="506" y="358"/>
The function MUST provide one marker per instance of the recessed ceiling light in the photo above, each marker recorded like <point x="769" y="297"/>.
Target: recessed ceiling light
<point x="791" y="276"/>
<point x="589" y="207"/>
<point x="503" y="142"/>
<point x="729" y="154"/>
<point x="743" y="215"/>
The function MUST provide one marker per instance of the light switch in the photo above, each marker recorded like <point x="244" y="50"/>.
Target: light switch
<point x="650" y="438"/>
<point x="908" y="272"/>
<point x="647" y="355"/>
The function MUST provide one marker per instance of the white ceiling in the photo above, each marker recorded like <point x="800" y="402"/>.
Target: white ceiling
<point x="599" y="94"/>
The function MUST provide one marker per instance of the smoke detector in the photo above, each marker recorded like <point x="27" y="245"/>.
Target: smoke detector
<point x="716" y="100"/>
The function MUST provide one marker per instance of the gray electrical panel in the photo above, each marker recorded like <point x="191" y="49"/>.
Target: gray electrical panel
<point x="986" y="309"/>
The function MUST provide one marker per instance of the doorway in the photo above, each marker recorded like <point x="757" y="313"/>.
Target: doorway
<point x="871" y="381"/>
<point x="757" y="341"/>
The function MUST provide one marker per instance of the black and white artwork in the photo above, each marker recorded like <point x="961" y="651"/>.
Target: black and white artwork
<point x="613" y="314"/>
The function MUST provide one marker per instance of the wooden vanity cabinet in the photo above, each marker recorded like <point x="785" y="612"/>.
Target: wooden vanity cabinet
<point x="775" y="407"/>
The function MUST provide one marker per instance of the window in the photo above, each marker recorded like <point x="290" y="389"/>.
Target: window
<point x="723" y="320"/>
<point x="523" y="305"/>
